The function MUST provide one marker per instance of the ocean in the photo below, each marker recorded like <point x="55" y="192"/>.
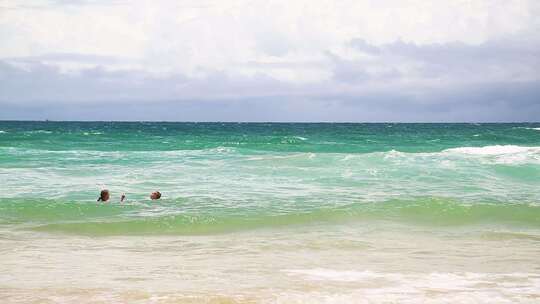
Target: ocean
<point x="269" y="212"/>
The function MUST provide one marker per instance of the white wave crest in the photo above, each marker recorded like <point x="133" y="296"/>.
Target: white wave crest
<point x="38" y="132"/>
<point x="537" y="129"/>
<point x="494" y="150"/>
<point x="499" y="154"/>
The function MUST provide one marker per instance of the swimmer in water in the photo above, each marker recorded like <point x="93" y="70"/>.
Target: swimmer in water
<point x="104" y="196"/>
<point x="155" y="195"/>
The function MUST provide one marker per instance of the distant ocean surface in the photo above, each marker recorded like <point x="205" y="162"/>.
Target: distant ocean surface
<point x="270" y="212"/>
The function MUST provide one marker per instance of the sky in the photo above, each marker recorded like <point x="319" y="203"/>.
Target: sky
<point x="295" y="60"/>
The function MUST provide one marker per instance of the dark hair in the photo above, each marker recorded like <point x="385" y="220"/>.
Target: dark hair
<point x="102" y="195"/>
<point x="158" y="194"/>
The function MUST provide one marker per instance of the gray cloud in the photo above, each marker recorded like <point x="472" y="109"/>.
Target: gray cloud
<point x="497" y="80"/>
<point x="48" y="84"/>
<point x="491" y="103"/>
<point x="98" y="94"/>
<point x="514" y="58"/>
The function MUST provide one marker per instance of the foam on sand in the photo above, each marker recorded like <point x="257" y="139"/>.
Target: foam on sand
<point x="435" y="287"/>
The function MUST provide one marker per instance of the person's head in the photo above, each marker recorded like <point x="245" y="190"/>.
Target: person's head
<point x="104" y="195"/>
<point x="155" y="195"/>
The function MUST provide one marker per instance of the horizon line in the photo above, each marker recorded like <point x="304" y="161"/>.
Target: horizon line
<point x="275" y="122"/>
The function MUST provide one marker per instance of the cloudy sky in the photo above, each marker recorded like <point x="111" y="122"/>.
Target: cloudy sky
<point x="244" y="60"/>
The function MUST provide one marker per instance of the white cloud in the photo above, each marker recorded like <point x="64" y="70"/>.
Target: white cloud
<point x="182" y="36"/>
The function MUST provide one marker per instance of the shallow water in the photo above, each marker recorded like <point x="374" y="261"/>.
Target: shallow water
<point x="270" y="213"/>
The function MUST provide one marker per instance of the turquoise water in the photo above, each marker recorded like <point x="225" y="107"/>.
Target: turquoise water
<point x="269" y="213"/>
<point x="221" y="177"/>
